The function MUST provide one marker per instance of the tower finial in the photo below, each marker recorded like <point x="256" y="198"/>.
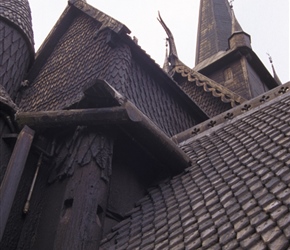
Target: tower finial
<point x="231" y="3"/>
<point x="275" y="76"/>
<point x="236" y="27"/>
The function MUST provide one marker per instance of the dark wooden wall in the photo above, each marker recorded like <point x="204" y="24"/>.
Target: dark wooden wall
<point x="70" y="197"/>
<point x="5" y="149"/>
<point x="239" y="77"/>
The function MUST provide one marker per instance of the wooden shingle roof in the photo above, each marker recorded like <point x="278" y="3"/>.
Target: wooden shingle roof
<point x="18" y="12"/>
<point x="211" y="97"/>
<point x="236" y="194"/>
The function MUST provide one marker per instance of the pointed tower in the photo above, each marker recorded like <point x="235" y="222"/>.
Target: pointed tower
<point x="238" y="37"/>
<point x="214" y="28"/>
<point x="16" y="44"/>
<point x="224" y="52"/>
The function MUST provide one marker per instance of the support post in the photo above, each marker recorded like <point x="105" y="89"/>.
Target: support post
<point x="13" y="174"/>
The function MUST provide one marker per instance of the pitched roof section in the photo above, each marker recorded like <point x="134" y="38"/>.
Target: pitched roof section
<point x="248" y="106"/>
<point x="235" y="195"/>
<point x="214" y="28"/>
<point x="59" y="50"/>
<point x="212" y="98"/>
<point x="196" y="85"/>
<point x="105" y="20"/>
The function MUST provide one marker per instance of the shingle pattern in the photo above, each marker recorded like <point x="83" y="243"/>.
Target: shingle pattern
<point x="236" y="195"/>
<point x="14" y="58"/>
<point x="210" y="96"/>
<point x="247" y="106"/>
<point x="82" y="56"/>
<point x="104" y="19"/>
<point x="152" y="97"/>
<point x="18" y="12"/>
<point x="79" y="150"/>
<point x="69" y="68"/>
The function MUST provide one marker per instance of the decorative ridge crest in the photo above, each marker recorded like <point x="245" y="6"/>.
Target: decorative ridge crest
<point x="230" y="115"/>
<point x="209" y="85"/>
<point x="104" y="19"/>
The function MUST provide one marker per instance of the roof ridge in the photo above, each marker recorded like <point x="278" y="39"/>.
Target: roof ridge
<point x="209" y="85"/>
<point x="106" y="20"/>
<point x="247" y="108"/>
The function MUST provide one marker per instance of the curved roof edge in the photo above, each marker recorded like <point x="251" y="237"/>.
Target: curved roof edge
<point x="18" y="12"/>
<point x="209" y="85"/>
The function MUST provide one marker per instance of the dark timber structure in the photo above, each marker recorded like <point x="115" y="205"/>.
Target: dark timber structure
<point x="100" y="148"/>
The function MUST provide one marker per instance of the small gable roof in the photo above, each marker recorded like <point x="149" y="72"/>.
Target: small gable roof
<point x="211" y="97"/>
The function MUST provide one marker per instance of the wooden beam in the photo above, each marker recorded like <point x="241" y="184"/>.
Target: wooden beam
<point x="73" y="117"/>
<point x="128" y="116"/>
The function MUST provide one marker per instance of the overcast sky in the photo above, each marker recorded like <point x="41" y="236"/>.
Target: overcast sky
<point x="267" y="21"/>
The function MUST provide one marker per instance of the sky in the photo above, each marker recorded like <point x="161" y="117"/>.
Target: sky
<point x="267" y="21"/>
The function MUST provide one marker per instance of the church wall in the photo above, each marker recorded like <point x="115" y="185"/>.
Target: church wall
<point x="256" y="85"/>
<point x="133" y="172"/>
<point x="69" y="198"/>
<point x="234" y="77"/>
<point x="17" y="219"/>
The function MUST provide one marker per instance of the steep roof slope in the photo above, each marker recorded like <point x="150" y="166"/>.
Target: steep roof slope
<point x="235" y="195"/>
<point x="214" y="28"/>
<point x="86" y="45"/>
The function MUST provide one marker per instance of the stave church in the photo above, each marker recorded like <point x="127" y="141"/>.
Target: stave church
<point x="101" y="148"/>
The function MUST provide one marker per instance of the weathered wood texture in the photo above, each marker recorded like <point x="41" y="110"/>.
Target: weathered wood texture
<point x="5" y="149"/>
<point x="13" y="174"/>
<point x="100" y="60"/>
<point x="16" y="221"/>
<point x="128" y="117"/>
<point x="211" y="105"/>
<point x="83" y="165"/>
<point x="14" y="58"/>
<point x="213" y="33"/>
<point x="239" y="77"/>
<point x="88" y="117"/>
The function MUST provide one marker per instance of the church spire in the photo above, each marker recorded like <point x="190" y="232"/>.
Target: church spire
<point x="238" y="38"/>
<point x="214" y="28"/>
<point x="236" y="27"/>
